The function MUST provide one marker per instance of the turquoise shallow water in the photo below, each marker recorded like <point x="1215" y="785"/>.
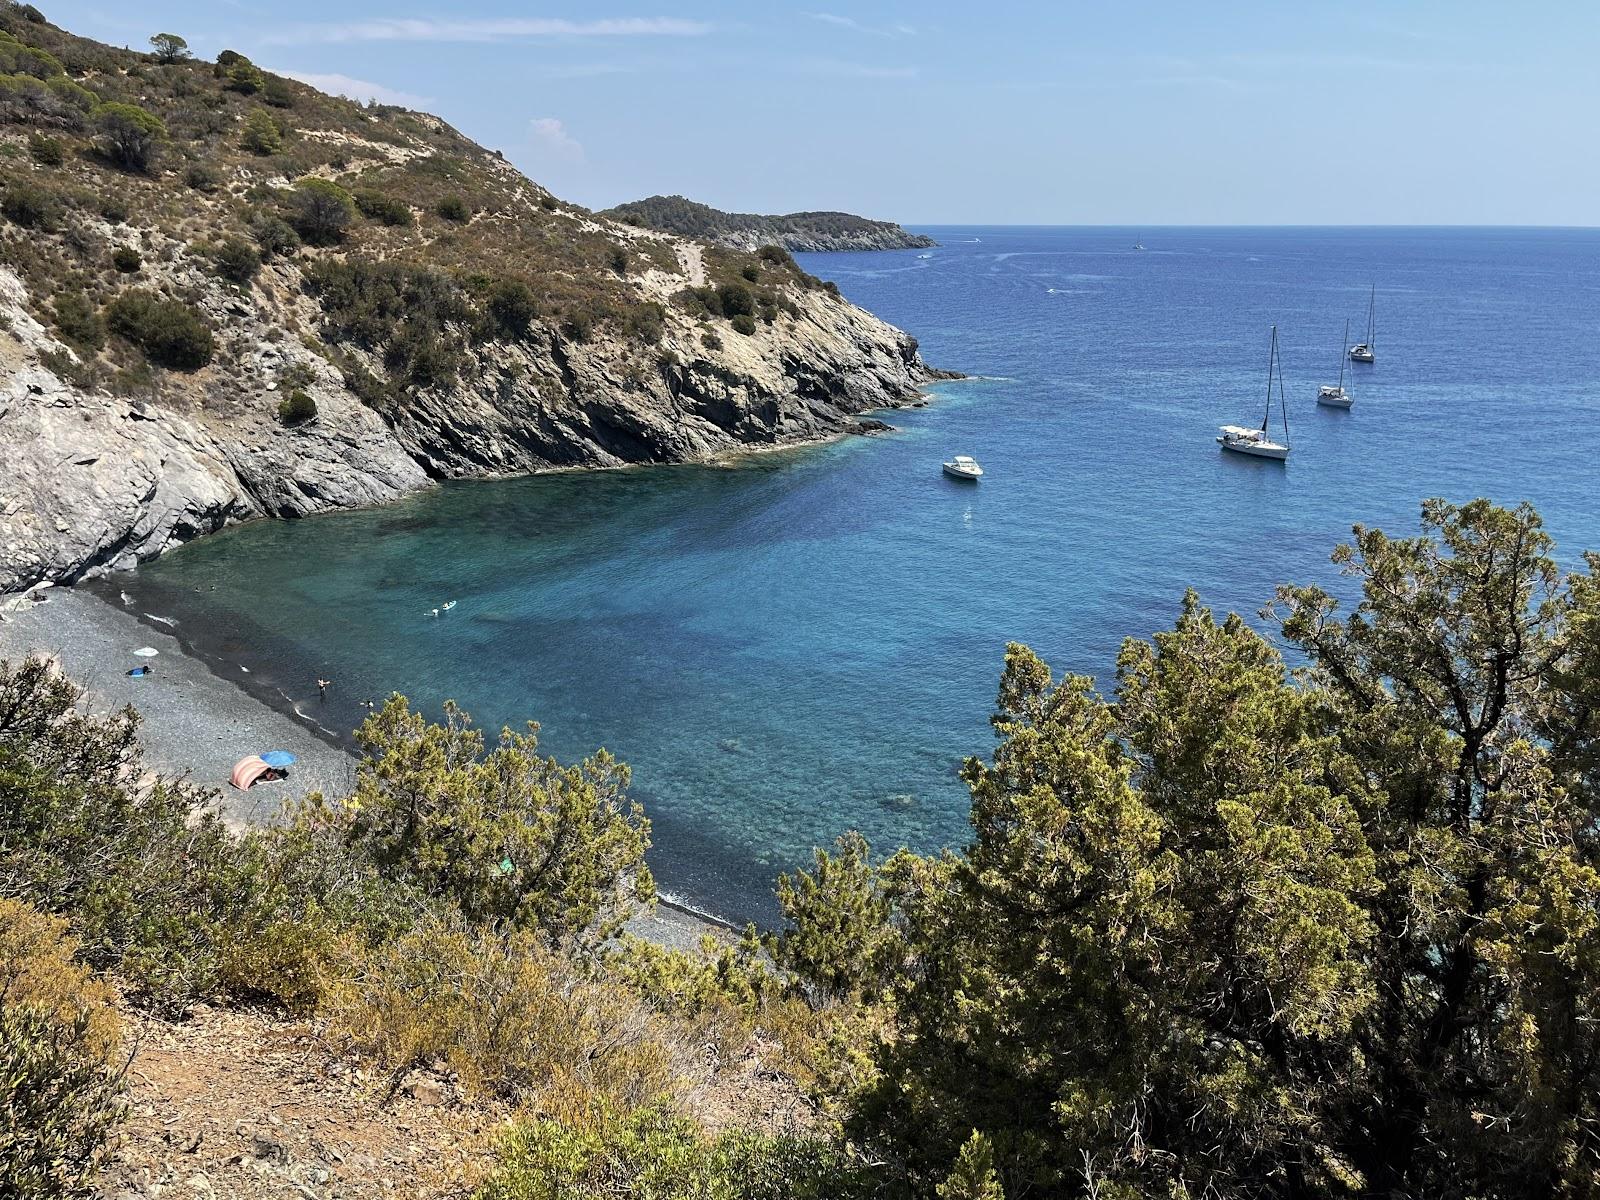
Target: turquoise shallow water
<point x="811" y="642"/>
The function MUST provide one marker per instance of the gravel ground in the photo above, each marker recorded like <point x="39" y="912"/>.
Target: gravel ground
<point x="197" y="724"/>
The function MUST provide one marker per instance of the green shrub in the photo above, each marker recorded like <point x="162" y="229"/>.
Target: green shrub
<point x="321" y="211"/>
<point x="261" y="133"/>
<point x="506" y="835"/>
<point x="202" y="177"/>
<point x="170" y="332"/>
<point x="131" y="135"/>
<point x="776" y="255"/>
<point x="126" y="260"/>
<point x="31" y="206"/>
<point x="646" y="324"/>
<point x="236" y="260"/>
<point x="274" y="235"/>
<point x="114" y="209"/>
<point x="277" y="92"/>
<point x="617" y="259"/>
<point x="380" y="206"/>
<point x="47" y="151"/>
<point x="297" y="408"/>
<point x="454" y="208"/>
<point x="735" y="300"/>
<point x="245" y="78"/>
<point x="229" y="58"/>
<point x="656" y="1154"/>
<point x="750" y="271"/>
<point x="70" y="93"/>
<point x="744" y="324"/>
<point x="507" y="1015"/>
<point x="60" y="1086"/>
<point x="416" y="317"/>
<point x="710" y="340"/>
<point x="549" y="203"/>
<point x="511" y="307"/>
<point x="78" y="321"/>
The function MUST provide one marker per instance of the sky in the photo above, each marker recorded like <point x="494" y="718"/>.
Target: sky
<point x="1138" y="112"/>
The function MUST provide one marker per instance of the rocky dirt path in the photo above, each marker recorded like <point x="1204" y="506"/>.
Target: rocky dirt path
<point x="239" y="1103"/>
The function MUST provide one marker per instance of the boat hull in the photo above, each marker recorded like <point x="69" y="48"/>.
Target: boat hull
<point x="1361" y="354"/>
<point x="1255" y="449"/>
<point x="1330" y="399"/>
<point x="964" y="476"/>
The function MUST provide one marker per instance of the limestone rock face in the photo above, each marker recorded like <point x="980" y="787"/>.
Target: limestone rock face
<point x="93" y="482"/>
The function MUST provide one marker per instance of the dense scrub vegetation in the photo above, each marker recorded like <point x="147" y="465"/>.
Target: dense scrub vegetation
<point x="113" y="154"/>
<point x="1235" y="931"/>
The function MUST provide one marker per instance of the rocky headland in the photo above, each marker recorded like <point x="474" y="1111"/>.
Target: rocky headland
<point x="284" y="302"/>
<point x="801" y="232"/>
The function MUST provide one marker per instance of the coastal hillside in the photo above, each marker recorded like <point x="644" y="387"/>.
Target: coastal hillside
<point x="224" y="294"/>
<point x="801" y="232"/>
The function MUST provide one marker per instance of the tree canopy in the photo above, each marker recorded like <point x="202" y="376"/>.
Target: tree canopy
<point x="1246" y="930"/>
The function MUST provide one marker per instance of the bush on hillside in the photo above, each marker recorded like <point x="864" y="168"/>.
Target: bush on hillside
<point x="46" y="151"/>
<point x="744" y="324"/>
<point x="277" y="92"/>
<point x="203" y="177"/>
<point x="236" y="260"/>
<point x="656" y="1153"/>
<point x="261" y="133"/>
<point x="380" y="206"/>
<point x="321" y="211"/>
<point x="130" y="135"/>
<point x="77" y="320"/>
<point x="505" y="1014"/>
<point x="506" y="835"/>
<point x="60" y="1077"/>
<point x="454" y="208"/>
<point x="170" y="332"/>
<point x="297" y="408"/>
<point x="245" y="78"/>
<point x="617" y="259"/>
<point x="126" y="260"/>
<point x="415" y="316"/>
<point x="274" y="235"/>
<point x="32" y="206"/>
<point x="511" y="308"/>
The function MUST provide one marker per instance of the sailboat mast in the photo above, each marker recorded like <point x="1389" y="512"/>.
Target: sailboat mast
<point x="1283" y="405"/>
<point x="1372" y="313"/>
<point x="1344" y="348"/>
<point x="1272" y="355"/>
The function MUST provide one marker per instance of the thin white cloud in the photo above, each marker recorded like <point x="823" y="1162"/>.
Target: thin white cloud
<point x="550" y="134"/>
<point x="358" y="89"/>
<point x="898" y="29"/>
<point x="404" y="29"/>
<point x="856" y="70"/>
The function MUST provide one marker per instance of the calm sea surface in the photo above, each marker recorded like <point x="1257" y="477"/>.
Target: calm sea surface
<point x="811" y="642"/>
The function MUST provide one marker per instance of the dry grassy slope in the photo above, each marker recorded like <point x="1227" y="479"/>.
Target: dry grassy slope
<point x="113" y="460"/>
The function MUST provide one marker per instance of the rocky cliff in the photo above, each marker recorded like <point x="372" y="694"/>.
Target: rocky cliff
<point x="801" y="232"/>
<point x="174" y="356"/>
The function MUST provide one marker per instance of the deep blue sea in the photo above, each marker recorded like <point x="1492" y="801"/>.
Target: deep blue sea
<point x="810" y="642"/>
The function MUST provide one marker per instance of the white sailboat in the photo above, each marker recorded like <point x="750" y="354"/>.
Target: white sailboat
<point x="1255" y="442"/>
<point x="1335" y="395"/>
<point x="1367" y="351"/>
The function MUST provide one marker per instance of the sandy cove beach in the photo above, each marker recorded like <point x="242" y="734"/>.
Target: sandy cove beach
<point x="196" y="724"/>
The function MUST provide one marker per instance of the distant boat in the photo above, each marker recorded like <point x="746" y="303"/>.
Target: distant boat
<point x="1138" y="245"/>
<point x="1367" y="351"/>
<point x="1334" y="395"/>
<point x="963" y="467"/>
<point x="1255" y="442"/>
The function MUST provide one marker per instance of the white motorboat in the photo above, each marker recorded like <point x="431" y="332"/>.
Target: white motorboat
<point x="1365" y="352"/>
<point x="963" y="467"/>
<point x="1334" y="395"/>
<point x="1255" y="442"/>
